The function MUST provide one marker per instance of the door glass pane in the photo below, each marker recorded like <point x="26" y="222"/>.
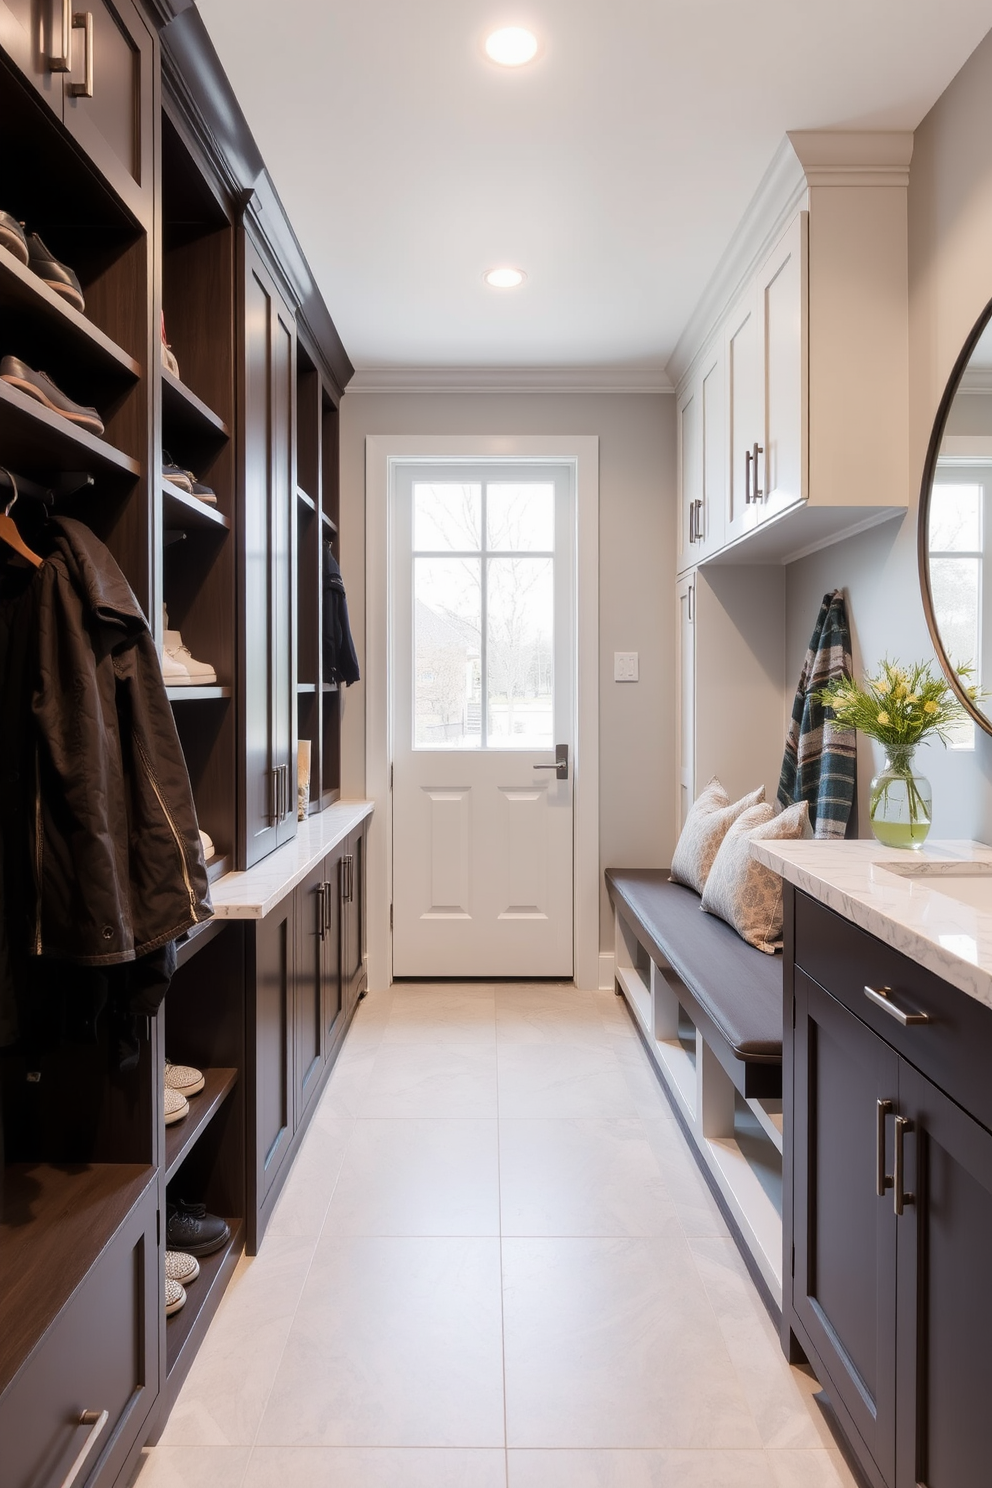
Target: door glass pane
<point x="955" y="586"/>
<point x="447" y="517"/>
<point x="447" y="688"/>
<point x="955" y="519"/>
<point x="520" y="517"/>
<point x="520" y="638"/>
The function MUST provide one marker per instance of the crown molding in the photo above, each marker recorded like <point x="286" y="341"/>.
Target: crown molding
<point x="805" y="161"/>
<point x="511" y="380"/>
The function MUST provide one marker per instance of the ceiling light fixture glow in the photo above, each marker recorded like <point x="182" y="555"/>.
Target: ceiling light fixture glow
<point x="504" y="278"/>
<point x="512" y="46"/>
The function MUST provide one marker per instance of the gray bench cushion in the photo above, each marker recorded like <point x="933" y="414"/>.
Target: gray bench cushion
<point x="740" y="988"/>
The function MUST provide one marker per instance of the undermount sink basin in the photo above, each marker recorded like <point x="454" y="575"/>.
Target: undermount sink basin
<point x="969" y="883"/>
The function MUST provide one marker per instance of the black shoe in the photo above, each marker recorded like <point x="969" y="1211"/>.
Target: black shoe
<point x="190" y="1228"/>
<point x="39" y="385"/>
<point x="53" y="273"/>
<point x="12" y="237"/>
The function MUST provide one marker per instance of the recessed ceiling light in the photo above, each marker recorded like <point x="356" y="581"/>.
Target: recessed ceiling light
<point x="512" y="46"/>
<point x="504" y="278"/>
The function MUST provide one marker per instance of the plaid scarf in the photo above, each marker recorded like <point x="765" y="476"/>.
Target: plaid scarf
<point x="820" y="757"/>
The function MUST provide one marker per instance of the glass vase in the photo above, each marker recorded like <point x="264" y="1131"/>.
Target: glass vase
<point x="900" y="802"/>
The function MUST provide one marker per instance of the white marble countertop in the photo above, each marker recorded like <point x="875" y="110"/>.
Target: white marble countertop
<point x="254" y="893"/>
<point x="909" y="913"/>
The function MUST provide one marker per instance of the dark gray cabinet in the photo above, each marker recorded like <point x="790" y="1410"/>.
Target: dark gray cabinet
<point x="271" y="976"/>
<point x="890" y="1225"/>
<point x="268" y="669"/>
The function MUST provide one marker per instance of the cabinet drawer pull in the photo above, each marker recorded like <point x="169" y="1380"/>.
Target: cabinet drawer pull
<point x="747" y="477"/>
<point x="882" y="997"/>
<point x="83" y="21"/>
<point x="321" y="910"/>
<point x="328" y="905"/>
<point x="692" y="521"/>
<point x="882" y="1179"/>
<point x="757" y="492"/>
<point x="61" y="62"/>
<point x="899" y="1195"/>
<point x="96" y="1421"/>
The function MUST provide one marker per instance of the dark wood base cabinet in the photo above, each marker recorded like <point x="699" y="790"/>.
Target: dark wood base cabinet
<point x="890" y="1149"/>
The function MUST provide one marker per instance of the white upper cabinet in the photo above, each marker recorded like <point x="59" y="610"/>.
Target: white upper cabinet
<point x="792" y="375"/>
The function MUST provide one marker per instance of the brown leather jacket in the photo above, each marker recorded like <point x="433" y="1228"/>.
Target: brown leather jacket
<point x="118" y="864"/>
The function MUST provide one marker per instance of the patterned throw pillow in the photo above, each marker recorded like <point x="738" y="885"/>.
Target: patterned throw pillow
<point x="743" y="891"/>
<point x="710" y="815"/>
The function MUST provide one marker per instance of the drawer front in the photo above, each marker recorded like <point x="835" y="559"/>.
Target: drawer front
<point x="953" y="1049"/>
<point x="101" y="1353"/>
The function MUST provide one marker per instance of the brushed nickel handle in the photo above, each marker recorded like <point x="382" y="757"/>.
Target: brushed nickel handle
<point x="285" y="790"/>
<point x="882" y="997"/>
<point x="83" y="21"/>
<point x="699" y="519"/>
<point x="328" y="906"/>
<point x="321" y="910"/>
<point x="882" y="1179"/>
<point x="692" y="603"/>
<point x="899" y="1195"/>
<point x="96" y="1421"/>
<point x="560" y="765"/>
<point x="692" y="521"/>
<point x="758" y="492"/>
<point x="747" y="477"/>
<point x="62" y="62"/>
<point x="275" y="785"/>
<point x="349" y="874"/>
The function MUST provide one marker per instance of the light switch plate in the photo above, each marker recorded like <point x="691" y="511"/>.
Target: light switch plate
<point x="625" y="666"/>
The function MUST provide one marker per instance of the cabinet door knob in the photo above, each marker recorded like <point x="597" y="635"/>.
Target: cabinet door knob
<point x="83" y="21"/>
<point x="882" y="997"/>
<point x="899" y="1194"/>
<point x="882" y="1179"/>
<point x="96" y="1421"/>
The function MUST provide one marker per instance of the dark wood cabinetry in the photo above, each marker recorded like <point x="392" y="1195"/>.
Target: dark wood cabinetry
<point x="268" y="673"/>
<point x="891" y="1216"/>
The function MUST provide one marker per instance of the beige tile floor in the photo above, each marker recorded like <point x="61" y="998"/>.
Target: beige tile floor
<point x="494" y="1265"/>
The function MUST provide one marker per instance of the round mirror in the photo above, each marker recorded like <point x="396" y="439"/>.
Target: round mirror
<point x="955" y="533"/>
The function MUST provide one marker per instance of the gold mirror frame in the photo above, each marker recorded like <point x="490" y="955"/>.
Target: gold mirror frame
<point x="923" y="528"/>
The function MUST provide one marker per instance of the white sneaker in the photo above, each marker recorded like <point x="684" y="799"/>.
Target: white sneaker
<point x="176" y="656"/>
<point x="175" y="1296"/>
<point x="207" y="843"/>
<point x="181" y="1267"/>
<point x="176" y="1106"/>
<point x="184" y="1078"/>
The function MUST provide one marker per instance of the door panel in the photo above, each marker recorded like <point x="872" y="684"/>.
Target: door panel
<point x="782" y="286"/>
<point x="31" y="33"/>
<point x="844" y="1285"/>
<point x="308" y="1011"/>
<point x="945" y="1239"/>
<point x="449" y="814"/>
<point x="743" y="416"/>
<point x="273" y="1072"/>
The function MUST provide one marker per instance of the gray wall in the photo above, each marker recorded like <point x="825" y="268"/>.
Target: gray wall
<point x="637" y="560"/>
<point x="950" y="282"/>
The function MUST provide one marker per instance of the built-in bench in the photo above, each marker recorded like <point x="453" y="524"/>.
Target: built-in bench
<point x="710" y="1009"/>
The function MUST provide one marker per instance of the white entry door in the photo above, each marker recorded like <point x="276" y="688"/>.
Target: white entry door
<point x="482" y="697"/>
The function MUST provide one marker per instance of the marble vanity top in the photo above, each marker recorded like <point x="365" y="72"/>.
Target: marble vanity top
<point x="253" y="894"/>
<point x="902" y="904"/>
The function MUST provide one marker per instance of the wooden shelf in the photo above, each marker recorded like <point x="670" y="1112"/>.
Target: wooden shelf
<point x="56" y="1222"/>
<point x="217" y="866"/>
<point x="37" y="439"/>
<point x="184" y="1330"/>
<point x="183" y="411"/>
<point x="179" y="509"/>
<point x="304" y="687"/>
<point x="329" y="522"/>
<point x="181" y="1136"/>
<point x="210" y="694"/>
<point x="23" y="294"/>
<point x="304" y="499"/>
<point x="329" y="687"/>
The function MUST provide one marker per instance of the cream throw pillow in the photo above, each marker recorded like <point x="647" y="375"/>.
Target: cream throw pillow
<point x="743" y="891"/>
<point x="710" y="816"/>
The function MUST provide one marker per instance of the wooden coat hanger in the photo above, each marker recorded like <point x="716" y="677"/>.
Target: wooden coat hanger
<point x="8" y="527"/>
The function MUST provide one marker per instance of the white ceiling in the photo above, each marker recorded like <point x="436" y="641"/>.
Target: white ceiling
<point x="613" y="169"/>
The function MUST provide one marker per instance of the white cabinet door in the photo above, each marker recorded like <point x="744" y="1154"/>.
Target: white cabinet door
<point x="745" y="406"/>
<point x="685" y="661"/>
<point x="690" y="456"/>
<point x="711" y="516"/>
<point x="782" y="299"/>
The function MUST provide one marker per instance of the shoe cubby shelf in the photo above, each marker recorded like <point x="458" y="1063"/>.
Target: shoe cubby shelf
<point x="180" y="510"/>
<point x="198" y="694"/>
<point x="181" y="1136"/>
<point x="56" y="1222"/>
<point x="329" y="522"/>
<point x="185" y="1329"/>
<point x="34" y="439"/>
<point x="184" y="413"/>
<point x="29" y="309"/>
<point x="305" y="500"/>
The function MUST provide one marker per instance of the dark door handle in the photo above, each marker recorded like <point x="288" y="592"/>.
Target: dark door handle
<point x="899" y="1194"/>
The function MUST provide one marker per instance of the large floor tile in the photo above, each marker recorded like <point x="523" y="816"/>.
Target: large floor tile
<point x="306" y="1193"/>
<point x="418" y="1176"/>
<point x="344" y="1092"/>
<point x="376" y="1467"/>
<point x="544" y="1020"/>
<point x="396" y="1343"/>
<point x="817" y="1469"/>
<point x="697" y="1209"/>
<point x="457" y="1015"/>
<point x="224" y="1394"/>
<point x="613" y="1343"/>
<point x="193" y="1467"/>
<point x="561" y="1079"/>
<point x="426" y="1081"/>
<point x="580" y="1177"/>
<point x="638" y="1469"/>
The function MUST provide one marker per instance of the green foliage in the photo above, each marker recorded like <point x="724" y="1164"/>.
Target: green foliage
<point x="899" y="706"/>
